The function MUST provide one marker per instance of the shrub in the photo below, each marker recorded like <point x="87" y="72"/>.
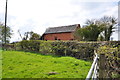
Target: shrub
<point x="30" y="45"/>
<point x="45" y="47"/>
<point x="17" y="46"/>
<point x="8" y="46"/>
<point x="112" y="60"/>
<point x="80" y="50"/>
<point x="74" y="49"/>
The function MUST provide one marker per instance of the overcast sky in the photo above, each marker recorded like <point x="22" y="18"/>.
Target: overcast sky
<point x="37" y="15"/>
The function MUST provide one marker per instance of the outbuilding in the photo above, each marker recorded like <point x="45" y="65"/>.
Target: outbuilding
<point x="60" y="33"/>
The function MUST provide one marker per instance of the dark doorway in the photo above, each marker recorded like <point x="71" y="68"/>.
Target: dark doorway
<point x="55" y="38"/>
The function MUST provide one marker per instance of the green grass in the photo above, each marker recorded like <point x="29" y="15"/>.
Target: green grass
<point x="18" y="64"/>
<point x="0" y="63"/>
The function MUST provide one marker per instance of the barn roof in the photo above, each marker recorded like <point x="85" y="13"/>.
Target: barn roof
<point x="69" y="28"/>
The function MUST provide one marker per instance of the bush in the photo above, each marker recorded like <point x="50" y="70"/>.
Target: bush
<point x="80" y="50"/>
<point x="74" y="49"/>
<point x="30" y="45"/>
<point x="17" y="46"/>
<point x="45" y="47"/>
<point x="112" y="59"/>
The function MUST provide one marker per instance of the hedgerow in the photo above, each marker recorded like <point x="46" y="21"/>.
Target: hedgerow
<point x="75" y="49"/>
<point x="112" y="59"/>
<point x="80" y="50"/>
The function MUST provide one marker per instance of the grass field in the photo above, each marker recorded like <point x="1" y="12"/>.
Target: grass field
<point x="18" y="64"/>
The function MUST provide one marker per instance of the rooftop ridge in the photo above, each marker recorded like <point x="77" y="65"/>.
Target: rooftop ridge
<point x="64" y="26"/>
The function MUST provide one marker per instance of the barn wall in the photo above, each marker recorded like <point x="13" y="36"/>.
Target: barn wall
<point x="61" y="36"/>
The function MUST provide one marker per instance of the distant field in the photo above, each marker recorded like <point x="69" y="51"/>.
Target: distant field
<point x="18" y="64"/>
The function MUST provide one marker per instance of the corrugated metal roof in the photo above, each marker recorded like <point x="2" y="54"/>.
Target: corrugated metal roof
<point x="69" y="28"/>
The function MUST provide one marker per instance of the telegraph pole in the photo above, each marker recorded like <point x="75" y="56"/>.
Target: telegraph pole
<point x="5" y="20"/>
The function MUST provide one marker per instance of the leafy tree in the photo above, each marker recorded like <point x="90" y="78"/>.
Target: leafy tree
<point x="2" y="33"/>
<point x="35" y="36"/>
<point x="105" y="26"/>
<point x="29" y="36"/>
<point x="89" y="33"/>
<point x="109" y="27"/>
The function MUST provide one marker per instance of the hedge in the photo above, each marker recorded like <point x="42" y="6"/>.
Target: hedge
<point x="80" y="50"/>
<point x="112" y="60"/>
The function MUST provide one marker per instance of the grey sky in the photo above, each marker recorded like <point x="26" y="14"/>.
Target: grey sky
<point x="37" y="15"/>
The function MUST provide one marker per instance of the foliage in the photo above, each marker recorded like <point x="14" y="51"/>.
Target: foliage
<point x="30" y="45"/>
<point x="80" y="50"/>
<point x="112" y="60"/>
<point x="74" y="49"/>
<point x="29" y="36"/>
<point x="8" y="47"/>
<point x="2" y="33"/>
<point x="89" y="33"/>
<point x="97" y="29"/>
<point x="35" y="36"/>
<point x="60" y="48"/>
<point x="29" y="65"/>
<point x="45" y="47"/>
<point x="109" y="23"/>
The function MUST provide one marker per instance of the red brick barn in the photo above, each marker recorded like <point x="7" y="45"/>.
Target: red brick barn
<point x="61" y="33"/>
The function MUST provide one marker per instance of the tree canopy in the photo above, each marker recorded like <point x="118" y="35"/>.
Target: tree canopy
<point x="89" y="33"/>
<point x="30" y="36"/>
<point x="95" y="29"/>
<point x="109" y="23"/>
<point x="2" y="33"/>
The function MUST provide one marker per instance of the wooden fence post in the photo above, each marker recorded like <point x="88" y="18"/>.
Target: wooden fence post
<point x="102" y="72"/>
